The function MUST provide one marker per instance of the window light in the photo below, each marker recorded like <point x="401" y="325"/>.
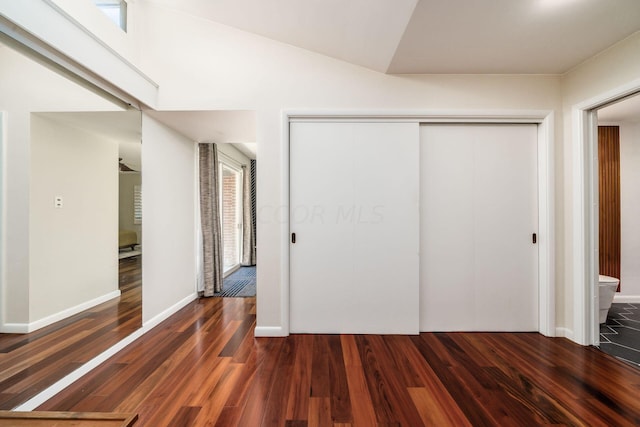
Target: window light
<point x="116" y="10"/>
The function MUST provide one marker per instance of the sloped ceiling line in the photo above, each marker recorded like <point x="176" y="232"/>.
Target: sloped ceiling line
<point x="434" y="36"/>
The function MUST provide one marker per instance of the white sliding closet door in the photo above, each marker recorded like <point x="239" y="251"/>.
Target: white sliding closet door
<point x="479" y="195"/>
<point x="354" y="212"/>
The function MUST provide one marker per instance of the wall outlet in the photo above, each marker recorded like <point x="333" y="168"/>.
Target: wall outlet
<point x="57" y="202"/>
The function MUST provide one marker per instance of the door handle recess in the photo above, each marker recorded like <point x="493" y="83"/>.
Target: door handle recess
<point x="293" y="237"/>
<point x="534" y="238"/>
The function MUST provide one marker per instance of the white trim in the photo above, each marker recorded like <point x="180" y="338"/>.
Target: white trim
<point x="546" y="228"/>
<point x="286" y="230"/>
<point x="231" y="270"/>
<point x="421" y="116"/>
<point x="165" y="314"/>
<point x="98" y="40"/>
<point x="564" y="332"/>
<point x="633" y="299"/>
<point x="3" y="204"/>
<point x="230" y="161"/>
<point x="585" y="212"/>
<point x="14" y="328"/>
<point x="270" y="331"/>
<point x="237" y="168"/>
<point x="546" y="214"/>
<point x="197" y="222"/>
<point x="25" y="328"/>
<point x="63" y="383"/>
<point x="580" y="234"/>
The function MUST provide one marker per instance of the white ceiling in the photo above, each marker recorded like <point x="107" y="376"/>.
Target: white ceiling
<point x="236" y="127"/>
<point x="121" y="127"/>
<point x="627" y="110"/>
<point x="364" y="32"/>
<point x="222" y="126"/>
<point x="434" y="36"/>
<point x="395" y="36"/>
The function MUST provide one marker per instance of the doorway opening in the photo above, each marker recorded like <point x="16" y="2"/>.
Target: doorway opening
<point x="231" y="135"/>
<point x="586" y="268"/>
<point x="236" y="168"/>
<point x="618" y="229"/>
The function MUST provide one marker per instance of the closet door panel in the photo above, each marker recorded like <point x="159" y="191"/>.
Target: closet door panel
<point x="354" y="266"/>
<point x="479" y="264"/>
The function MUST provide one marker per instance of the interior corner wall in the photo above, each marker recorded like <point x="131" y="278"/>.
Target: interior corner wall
<point x="27" y="86"/>
<point x="614" y="68"/>
<point x="73" y="255"/>
<point x="201" y="65"/>
<point x="630" y="212"/>
<point x="168" y="218"/>
<point x="127" y="181"/>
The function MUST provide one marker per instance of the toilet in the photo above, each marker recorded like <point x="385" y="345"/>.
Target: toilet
<point x="606" y="290"/>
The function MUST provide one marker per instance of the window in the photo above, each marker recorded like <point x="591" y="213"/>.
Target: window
<point x="230" y="206"/>
<point x="116" y="10"/>
<point x="137" y="204"/>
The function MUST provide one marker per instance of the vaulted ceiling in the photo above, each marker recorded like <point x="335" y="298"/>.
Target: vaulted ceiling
<point x="434" y="36"/>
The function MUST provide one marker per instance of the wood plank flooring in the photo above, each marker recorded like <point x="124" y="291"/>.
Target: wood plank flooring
<point x="204" y="367"/>
<point x="65" y="419"/>
<point x="29" y="363"/>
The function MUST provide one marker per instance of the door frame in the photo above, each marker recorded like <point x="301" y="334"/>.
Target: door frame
<point x="3" y="246"/>
<point x="584" y="122"/>
<point x="546" y="223"/>
<point x="235" y="166"/>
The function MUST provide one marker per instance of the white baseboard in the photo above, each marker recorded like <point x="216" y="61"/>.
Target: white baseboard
<point x="564" y="332"/>
<point x="25" y="328"/>
<point x="14" y="328"/>
<point x="159" y="318"/>
<point x="627" y="298"/>
<point x="270" y="331"/>
<point x="65" y="382"/>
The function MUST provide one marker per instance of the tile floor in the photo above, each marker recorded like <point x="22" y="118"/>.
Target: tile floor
<point x="620" y="335"/>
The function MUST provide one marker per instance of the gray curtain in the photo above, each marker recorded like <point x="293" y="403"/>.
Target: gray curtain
<point x="210" y="218"/>
<point x="248" y="237"/>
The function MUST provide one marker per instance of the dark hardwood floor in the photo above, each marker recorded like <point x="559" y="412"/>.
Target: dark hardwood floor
<point x="29" y="363"/>
<point x="203" y="366"/>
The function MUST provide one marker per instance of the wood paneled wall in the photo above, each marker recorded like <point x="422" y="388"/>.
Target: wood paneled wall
<point x="609" y="185"/>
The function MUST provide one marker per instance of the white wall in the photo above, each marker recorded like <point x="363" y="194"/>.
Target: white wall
<point x="76" y="35"/>
<point x="203" y="65"/>
<point x="614" y="68"/>
<point x="126" y="209"/>
<point x="244" y="71"/>
<point x="92" y="18"/>
<point x="3" y="190"/>
<point x="73" y="256"/>
<point x="168" y="226"/>
<point x="630" y="211"/>
<point x="25" y="87"/>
